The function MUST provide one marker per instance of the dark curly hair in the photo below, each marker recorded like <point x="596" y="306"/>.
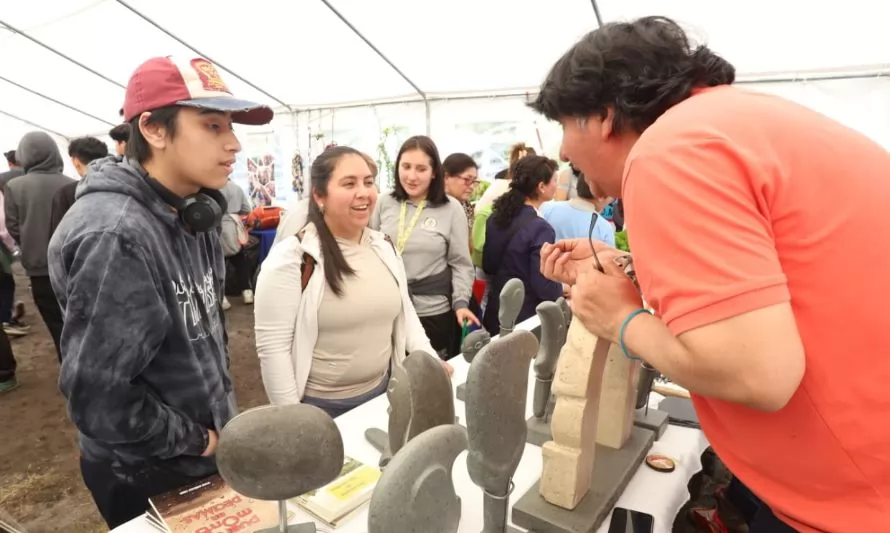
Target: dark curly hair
<point x="640" y="69"/>
<point x="528" y="173"/>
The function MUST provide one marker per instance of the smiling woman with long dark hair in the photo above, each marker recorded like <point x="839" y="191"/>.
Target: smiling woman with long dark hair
<point x="430" y="232"/>
<point x="328" y="332"/>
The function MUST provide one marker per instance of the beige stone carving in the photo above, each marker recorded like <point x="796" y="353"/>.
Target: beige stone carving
<point x="617" y="399"/>
<point x="569" y="457"/>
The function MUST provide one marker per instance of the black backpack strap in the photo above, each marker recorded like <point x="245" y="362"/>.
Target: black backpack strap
<point x="308" y="264"/>
<point x="387" y="239"/>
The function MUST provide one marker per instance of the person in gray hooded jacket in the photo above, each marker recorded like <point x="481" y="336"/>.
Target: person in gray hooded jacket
<point x="140" y="278"/>
<point x="28" y="203"/>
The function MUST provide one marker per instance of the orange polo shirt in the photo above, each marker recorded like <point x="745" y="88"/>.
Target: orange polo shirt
<point x="736" y="201"/>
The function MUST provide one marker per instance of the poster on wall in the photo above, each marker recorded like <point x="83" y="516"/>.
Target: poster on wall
<point x="261" y="179"/>
<point x="261" y="170"/>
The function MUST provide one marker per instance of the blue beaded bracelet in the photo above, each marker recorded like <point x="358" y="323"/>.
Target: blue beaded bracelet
<point x="622" y="330"/>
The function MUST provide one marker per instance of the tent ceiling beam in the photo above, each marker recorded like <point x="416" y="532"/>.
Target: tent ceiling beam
<point x="392" y="65"/>
<point x="596" y="13"/>
<point x="17" y="31"/>
<point x="53" y="100"/>
<point x="195" y="50"/>
<point x="38" y="126"/>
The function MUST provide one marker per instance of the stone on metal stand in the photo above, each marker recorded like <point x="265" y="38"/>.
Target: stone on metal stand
<point x="497" y="385"/>
<point x="278" y="453"/>
<point x="651" y="419"/>
<point x="472" y="344"/>
<point x="420" y="397"/>
<point x="553" y="336"/>
<point x="511" y="298"/>
<point x="415" y="494"/>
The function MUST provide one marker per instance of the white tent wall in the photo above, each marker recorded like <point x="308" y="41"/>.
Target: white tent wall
<point x="486" y="127"/>
<point x="298" y="55"/>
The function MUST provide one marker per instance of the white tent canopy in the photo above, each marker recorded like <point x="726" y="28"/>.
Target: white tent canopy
<point x="303" y="54"/>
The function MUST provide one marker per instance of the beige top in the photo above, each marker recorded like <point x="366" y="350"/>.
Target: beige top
<point x="355" y="331"/>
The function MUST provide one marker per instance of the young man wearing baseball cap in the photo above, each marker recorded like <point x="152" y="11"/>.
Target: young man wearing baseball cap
<point x="137" y="267"/>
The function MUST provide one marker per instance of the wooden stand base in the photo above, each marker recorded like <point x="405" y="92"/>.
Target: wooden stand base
<point x="612" y="472"/>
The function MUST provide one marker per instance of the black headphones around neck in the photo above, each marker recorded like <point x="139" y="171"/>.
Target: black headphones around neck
<point x="200" y="212"/>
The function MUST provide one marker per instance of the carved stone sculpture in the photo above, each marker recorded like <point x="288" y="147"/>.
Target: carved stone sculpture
<point x="553" y="336"/>
<point x="280" y="452"/>
<point x="617" y="399"/>
<point x="566" y="312"/>
<point x="511" y="298"/>
<point x="415" y="494"/>
<point x="497" y="385"/>
<point x="569" y="457"/>
<point x="473" y="343"/>
<point x="595" y="449"/>
<point x="420" y="397"/>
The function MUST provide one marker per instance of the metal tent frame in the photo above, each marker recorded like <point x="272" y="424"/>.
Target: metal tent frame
<point x="422" y="96"/>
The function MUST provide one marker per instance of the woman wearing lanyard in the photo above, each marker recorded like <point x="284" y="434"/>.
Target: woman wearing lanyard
<point x="431" y="235"/>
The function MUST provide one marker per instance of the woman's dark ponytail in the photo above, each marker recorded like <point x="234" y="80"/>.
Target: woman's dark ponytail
<point x="528" y="173"/>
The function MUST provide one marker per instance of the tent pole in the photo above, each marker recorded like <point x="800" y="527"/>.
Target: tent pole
<point x="426" y="101"/>
<point x="596" y="12"/>
<point x="17" y="31"/>
<point x="59" y="102"/>
<point x="193" y="49"/>
<point x="38" y="126"/>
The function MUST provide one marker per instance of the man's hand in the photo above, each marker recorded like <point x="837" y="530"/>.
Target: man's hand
<point x="448" y="368"/>
<point x="603" y="300"/>
<point x="212" y="440"/>
<point x="562" y="261"/>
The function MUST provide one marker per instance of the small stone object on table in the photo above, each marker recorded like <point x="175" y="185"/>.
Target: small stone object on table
<point x="420" y="397"/>
<point x="473" y="343"/>
<point x="511" y="299"/>
<point x="280" y="452"/>
<point x="497" y="385"/>
<point x="416" y="494"/>
<point x="553" y="336"/>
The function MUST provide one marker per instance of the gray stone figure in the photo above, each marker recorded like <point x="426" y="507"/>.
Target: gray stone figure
<point x="420" y="397"/>
<point x="553" y="337"/>
<point x="497" y="385"/>
<point x="567" y="314"/>
<point x="512" y="296"/>
<point x="280" y="452"/>
<point x="415" y="494"/>
<point x="472" y="344"/>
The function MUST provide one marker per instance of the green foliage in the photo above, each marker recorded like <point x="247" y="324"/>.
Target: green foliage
<point x="621" y="241"/>
<point x="479" y="191"/>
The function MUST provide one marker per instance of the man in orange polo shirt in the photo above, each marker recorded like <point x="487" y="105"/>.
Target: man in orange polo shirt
<point x="760" y="233"/>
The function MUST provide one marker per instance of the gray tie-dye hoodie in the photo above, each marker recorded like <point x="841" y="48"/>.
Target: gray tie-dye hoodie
<point x="144" y="357"/>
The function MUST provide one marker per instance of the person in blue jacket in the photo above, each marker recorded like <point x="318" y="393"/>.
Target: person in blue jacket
<point x="514" y="235"/>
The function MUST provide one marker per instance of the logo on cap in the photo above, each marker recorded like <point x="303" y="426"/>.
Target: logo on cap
<point x="210" y="78"/>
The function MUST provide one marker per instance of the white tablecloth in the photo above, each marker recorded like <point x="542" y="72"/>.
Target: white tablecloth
<point x="655" y="493"/>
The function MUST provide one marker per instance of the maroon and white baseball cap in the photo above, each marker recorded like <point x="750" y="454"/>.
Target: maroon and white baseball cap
<point x="167" y="81"/>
